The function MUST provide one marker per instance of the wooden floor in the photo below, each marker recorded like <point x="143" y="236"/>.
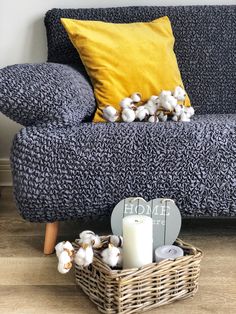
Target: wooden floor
<point x="29" y="282"/>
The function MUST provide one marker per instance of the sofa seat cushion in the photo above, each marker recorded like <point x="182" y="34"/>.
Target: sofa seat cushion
<point x="63" y="173"/>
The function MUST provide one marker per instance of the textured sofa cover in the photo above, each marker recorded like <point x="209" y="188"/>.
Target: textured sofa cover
<point x="67" y="170"/>
<point x="62" y="173"/>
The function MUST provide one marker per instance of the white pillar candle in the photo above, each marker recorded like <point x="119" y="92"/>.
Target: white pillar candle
<point x="138" y="238"/>
<point x="170" y="252"/>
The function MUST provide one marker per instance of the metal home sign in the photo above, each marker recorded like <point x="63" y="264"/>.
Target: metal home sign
<point x="165" y="214"/>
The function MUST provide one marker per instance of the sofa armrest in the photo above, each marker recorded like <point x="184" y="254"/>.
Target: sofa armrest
<point x="48" y="92"/>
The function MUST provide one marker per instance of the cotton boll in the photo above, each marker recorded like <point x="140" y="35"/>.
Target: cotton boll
<point x="67" y="245"/>
<point x="110" y="114"/>
<point x="136" y="97"/>
<point x="175" y="118"/>
<point x="88" y="256"/>
<point x="85" y="241"/>
<point x="115" y="240"/>
<point x="62" y="269"/>
<point x="154" y="98"/>
<point x="189" y="111"/>
<point x="80" y="257"/>
<point x="184" y="117"/>
<point x="111" y="255"/>
<point x="64" y="258"/>
<point x="84" y="256"/>
<point x="59" y="248"/>
<point x="168" y="103"/>
<point x="178" y="110"/>
<point x="96" y="241"/>
<point x="151" y="107"/>
<point x="89" y="240"/>
<point x="153" y="119"/>
<point x="162" y="117"/>
<point x="69" y="248"/>
<point x="164" y="94"/>
<point x="141" y="113"/>
<point x="128" y="115"/>
<point x="126" y="103"/>
<point x="179" y="93"/>
<point x="86" y="233"/>
<point x="120" y="259"/>
<point x="64" y="246"/>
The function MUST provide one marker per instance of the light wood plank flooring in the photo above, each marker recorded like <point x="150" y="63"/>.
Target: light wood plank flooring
<point x="29" y="282"/>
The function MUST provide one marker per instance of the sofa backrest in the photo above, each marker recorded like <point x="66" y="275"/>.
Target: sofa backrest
<point x="205" y="47"/>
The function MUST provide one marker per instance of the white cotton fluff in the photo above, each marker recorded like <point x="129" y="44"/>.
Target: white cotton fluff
<point x="175" y="118"/>
<point x="59" y="248"/>
<point x="179" y="93"/>
<point x="168" y="103"/>
<point x="61" y="268"/>
<point x="68" y="246"/>
<point x="128" y="115"/>
<point x="120" y="259"/>
<point x="86" y="234"/>
<point x="111" y="255"/>
<point x="90" y="238"/>
<point x="84" y="256"/>
<point x="64" y="258"/>
<point x="141" y="113"/>
<point x="184" y="117"/>
<point x="110" y="114"/>
<point x="65" y="245"/>
<point x="153" y="119"/>
<point x="164" y="94"/>
<point x="79" y="258"/>
<point x="154" y="99"/>
<point x="162" y="117"/>
<point x="96" y="241"/>
<point x="189" y="111"/>
<point x="115" y="240"/>
<point x="136" y="97"/>
<point x="178" y="110"/>
<point x="126" y="103"/>
<point x="151" y="107"/>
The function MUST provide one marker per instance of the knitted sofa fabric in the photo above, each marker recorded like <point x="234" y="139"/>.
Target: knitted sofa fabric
<point x="34" y="93"/>
<point x="205" y="47"/>
<point x="63" y="173"/>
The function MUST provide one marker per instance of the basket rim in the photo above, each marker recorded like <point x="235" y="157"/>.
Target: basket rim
<point x="195" y="255"/>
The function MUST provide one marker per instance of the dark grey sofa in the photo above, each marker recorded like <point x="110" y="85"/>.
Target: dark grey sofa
<point x="66" y="167"/>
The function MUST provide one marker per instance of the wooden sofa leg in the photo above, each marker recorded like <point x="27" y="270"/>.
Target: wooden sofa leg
<point x="50" y="237"/>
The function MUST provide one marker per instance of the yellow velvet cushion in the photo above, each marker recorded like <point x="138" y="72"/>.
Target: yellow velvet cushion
<point x="125" y="58"/>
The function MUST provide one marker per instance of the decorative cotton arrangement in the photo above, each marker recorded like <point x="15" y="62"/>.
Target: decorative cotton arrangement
<point x="88" y="242"/>
<point x="168" y="105"/>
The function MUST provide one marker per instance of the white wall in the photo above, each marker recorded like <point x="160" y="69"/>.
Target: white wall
<point x="23" y="38"/>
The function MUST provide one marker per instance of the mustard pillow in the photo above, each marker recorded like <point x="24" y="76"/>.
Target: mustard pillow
<point x="125" y="58"/>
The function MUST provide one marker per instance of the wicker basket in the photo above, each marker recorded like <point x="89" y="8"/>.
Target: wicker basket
<point x="141" y="289"/>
